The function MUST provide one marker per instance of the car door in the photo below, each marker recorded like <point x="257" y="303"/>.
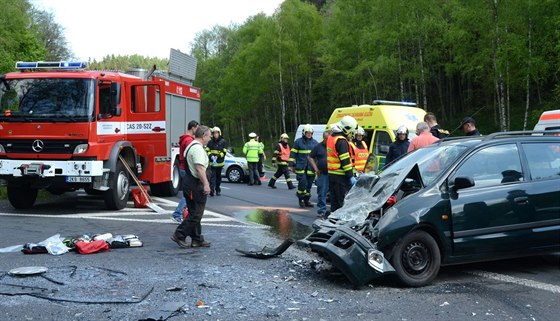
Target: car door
<point x="543" y="162"/>
<point x="491" y="216"/>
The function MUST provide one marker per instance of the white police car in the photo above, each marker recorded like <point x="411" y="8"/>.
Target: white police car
<point x="235" y="168"/>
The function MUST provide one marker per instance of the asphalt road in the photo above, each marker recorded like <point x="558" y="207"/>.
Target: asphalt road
<point x="217" y="283"/>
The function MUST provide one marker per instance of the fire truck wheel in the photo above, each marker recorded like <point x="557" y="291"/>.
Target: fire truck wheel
<point x="21" y="197"/>
<point x="117" y="195"/>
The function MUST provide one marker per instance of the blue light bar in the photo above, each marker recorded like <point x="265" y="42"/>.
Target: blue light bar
<point x="397" y="103"/>
<point x="51" y="65"/>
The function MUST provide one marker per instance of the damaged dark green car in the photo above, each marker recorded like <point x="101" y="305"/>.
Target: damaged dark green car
<point x="457" y="201"/>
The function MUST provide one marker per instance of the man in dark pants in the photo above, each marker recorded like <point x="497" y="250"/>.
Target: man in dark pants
<point x="195" y="189"/>
<point x="304" y="173"/>
<point x="217" y="149"/>
<point x="341" y="175"/>
<point x="281" y="158"/>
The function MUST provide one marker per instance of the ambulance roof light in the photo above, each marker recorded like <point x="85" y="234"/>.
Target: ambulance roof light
<point x="51" y="65"/>
<point x="390" y="102"/>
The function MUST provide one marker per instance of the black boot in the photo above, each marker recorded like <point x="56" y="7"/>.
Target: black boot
<point x="301" y="203"/>
<point x="291" y="185"/>
<point x="307" y="202"/>
<point x="272" y="182"/>
<point x="218" y="191"/>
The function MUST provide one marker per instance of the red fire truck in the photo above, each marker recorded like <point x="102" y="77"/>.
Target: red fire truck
<point x="63" y="127"/>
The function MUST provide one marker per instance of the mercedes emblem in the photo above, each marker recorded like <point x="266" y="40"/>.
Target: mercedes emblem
<point x="37" y="146"/>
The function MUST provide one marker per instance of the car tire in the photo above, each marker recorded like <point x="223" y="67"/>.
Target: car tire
<point x="234" y="174"/>
<point x="416" y="259"/>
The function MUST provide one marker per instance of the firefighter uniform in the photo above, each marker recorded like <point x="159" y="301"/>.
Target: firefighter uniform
<point x="281" y="158"/>
<point x="216" y="149"/>
<point x="359" y="155"/>
<point x="304" y="172"/>
<point x="340" y="169"/>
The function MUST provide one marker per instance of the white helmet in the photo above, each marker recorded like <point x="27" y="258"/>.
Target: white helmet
<point x="252" y="135"/>
<point x="217" y="129"/>
<point x="402" y="130"/>
<point x="348" y="125"/>
<point x="360" y="131"/>
<point x="284" y="136"/>
<point x="307" y="128"/>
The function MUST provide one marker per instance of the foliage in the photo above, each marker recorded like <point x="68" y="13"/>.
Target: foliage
<point x="455" y="58"/>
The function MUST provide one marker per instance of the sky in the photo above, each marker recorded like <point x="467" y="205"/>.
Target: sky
<point x="97" y="28"/>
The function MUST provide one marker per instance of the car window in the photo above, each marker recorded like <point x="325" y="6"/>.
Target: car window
<point x="493" y="166"/>
<point x="543" y="159"/>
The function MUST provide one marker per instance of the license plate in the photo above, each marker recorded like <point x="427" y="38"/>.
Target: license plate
<point x="78" y="179"/>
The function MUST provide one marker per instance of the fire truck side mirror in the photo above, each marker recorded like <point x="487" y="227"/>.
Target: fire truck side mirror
<point x="115" y="99"/>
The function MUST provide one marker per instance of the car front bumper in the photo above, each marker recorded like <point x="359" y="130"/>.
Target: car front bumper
<point x="349" y="252"/>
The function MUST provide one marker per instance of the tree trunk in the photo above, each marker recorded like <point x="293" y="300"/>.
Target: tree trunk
<point x="528" y="77"/>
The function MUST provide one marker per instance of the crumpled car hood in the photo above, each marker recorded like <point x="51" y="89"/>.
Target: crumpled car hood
<point x="369" y="194"/>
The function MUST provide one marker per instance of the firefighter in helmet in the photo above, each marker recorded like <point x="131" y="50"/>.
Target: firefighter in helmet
<point x="359" y="151"/>
<point x="339" y="165"/>
<point x="304" y="172"/>
<point x="216" y="149"/>
<point x="280" y="159"/>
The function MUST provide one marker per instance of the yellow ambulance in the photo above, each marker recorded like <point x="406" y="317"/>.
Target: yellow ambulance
<point x="380" y="121"/>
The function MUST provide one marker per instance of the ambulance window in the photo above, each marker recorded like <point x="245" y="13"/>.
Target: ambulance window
<point x="382" y="140"/>
<point x="145" y="99"/>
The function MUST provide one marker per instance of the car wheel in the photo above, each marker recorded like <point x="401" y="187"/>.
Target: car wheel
<point x="234" y="174"/>
<point x="416" y="259"/>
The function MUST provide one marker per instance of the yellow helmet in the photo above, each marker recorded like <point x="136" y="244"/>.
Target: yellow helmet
<point x="284" y="136"/>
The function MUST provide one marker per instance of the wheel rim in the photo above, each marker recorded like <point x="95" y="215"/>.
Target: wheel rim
<point x="416" y="258"/>
<point x="122" y="185"/>
<point x="176" y="177"/>
<point x="234" y="175"/>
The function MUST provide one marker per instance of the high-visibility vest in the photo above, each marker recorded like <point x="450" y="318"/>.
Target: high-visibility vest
<point x="359" y="156"/>
<point x="251" y="150"/>
<point x="284" y="152"/>
<point x="333" y="161"/>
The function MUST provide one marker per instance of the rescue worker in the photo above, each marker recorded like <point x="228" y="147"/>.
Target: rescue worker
<point x="280" y="159"/>
<point x="184" y="141"/>
<point x="341" y="176"/>
<point x="216" y="149"/>
<point x="359" y="151"/>
<point x="251" y="149"/>
<point x="431" y="120"/>
<point x="304" y="172"/>
<point x="399" y="147"/>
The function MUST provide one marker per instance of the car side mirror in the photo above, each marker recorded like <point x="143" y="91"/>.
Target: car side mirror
<point x="462" y="182"/>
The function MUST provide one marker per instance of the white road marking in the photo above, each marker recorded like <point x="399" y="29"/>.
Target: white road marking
<point x="520" y="281"/>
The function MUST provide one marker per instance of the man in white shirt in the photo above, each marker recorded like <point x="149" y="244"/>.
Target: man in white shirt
<point x="195" y="189"/>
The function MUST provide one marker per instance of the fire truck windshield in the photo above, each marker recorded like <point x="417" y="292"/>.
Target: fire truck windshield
<point x="47" y="99"/>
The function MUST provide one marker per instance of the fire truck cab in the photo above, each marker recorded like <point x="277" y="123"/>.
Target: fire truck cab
<point x="63" y="128"/>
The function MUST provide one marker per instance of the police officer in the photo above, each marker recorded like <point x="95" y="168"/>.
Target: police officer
<point x="304" y="172"/>
<point x="431" y="120"/>
<point x="359" y="151"/>
<point x="280" y="159"/>
<point x="251" y="149"/>
<point x="216" y="149"/>
<point x="341" y="176"/>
